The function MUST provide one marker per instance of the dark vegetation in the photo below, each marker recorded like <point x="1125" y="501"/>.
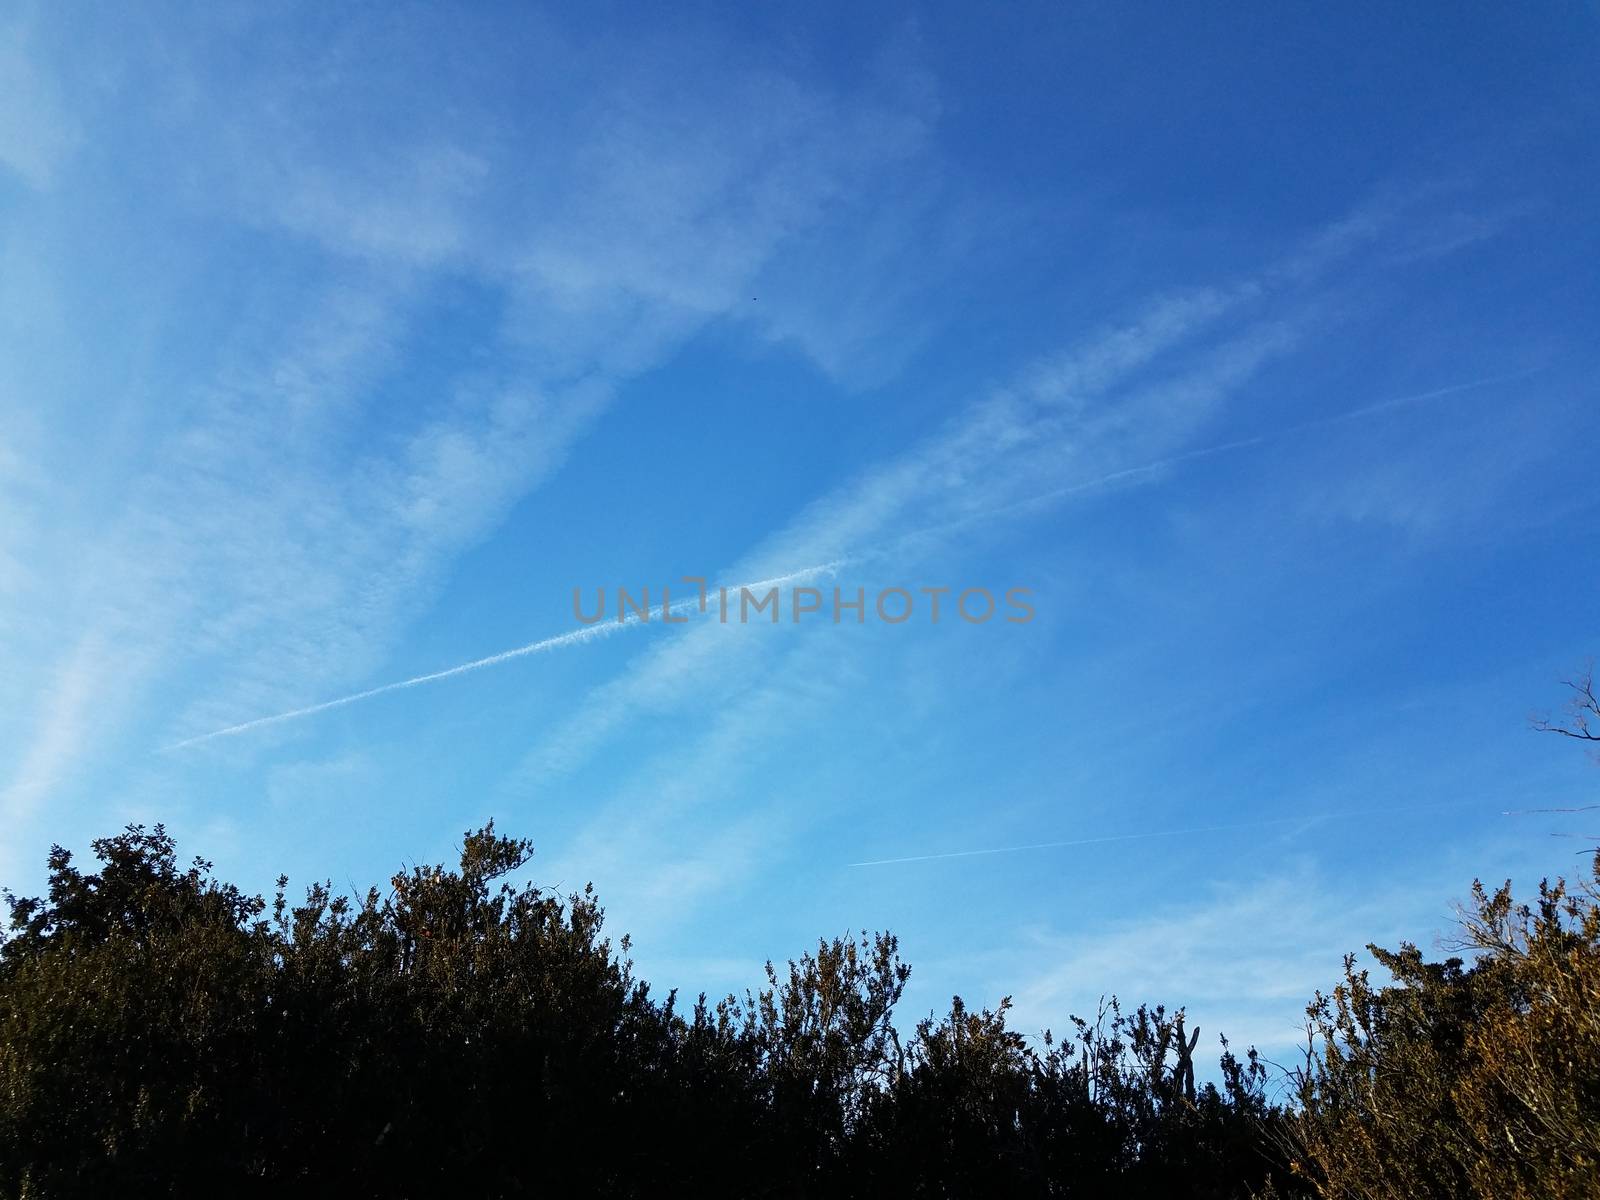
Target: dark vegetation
<point x="163" y="1033"/>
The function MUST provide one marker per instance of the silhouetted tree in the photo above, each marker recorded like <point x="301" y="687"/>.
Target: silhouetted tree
<point x="1582" y="719"/>
<point x="1476" y="1076"/>
<point x="1459" y="1079"/>
<point x="162" y="1033"/>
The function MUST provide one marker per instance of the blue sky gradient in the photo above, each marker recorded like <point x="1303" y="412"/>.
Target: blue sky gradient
<point x="337" y="347"/>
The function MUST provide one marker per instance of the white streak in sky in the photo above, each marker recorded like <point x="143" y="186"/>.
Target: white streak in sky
<point x="575" y="637"/>
<point x="1304" y="818"/>
<point x="1187" y="456"/>
<point x="1354" y="414"/>
<point x="606" y="629"/>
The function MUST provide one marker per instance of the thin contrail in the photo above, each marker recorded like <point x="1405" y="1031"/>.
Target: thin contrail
<point x="1094" y="841"/>
<point x="1174" y="460"/>
<point x="575" y="637"/>
<point x="1518" y="812"/>
<point x="606" y="629"/>
<point x="1368" y="410"/>
<point x="1161" y="833"/>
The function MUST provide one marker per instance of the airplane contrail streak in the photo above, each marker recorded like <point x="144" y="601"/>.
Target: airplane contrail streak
<point x="606" y="629"/>
<point x="1261" y="439"/>
<point x="1305" y="818"/>
<point x="575" y="637"/>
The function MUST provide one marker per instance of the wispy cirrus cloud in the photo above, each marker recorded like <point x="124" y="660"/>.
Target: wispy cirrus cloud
<point x="1120" y="476"/>
<point x="1244" y="955"/>
<point x="76" y="696"/>
<point x="1006" y="448"/>
<point x="36" y="132"/>
<point x="1123" y="407"/>
<point x="268" y="530"/>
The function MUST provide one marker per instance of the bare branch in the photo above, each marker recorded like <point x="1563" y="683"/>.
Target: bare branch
<point x="1582" y="720"/>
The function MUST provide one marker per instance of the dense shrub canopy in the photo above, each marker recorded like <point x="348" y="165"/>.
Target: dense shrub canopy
<point x="160" y="1032"/>
<point x="1464" y="1080"/>
<point x="163" y="1033"/>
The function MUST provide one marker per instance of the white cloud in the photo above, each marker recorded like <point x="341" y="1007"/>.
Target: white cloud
<point x="36" y="134"/>
<point x="1124" y="405"/>
<point x="1244" y="956"/>
<point x="76" y="699"/>
<point x="284" y="516"/>
<point x="1059" y="424"/>
<point x="681" y="827"/>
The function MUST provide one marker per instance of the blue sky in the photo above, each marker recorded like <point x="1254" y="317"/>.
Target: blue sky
<point x="338" y="347"/>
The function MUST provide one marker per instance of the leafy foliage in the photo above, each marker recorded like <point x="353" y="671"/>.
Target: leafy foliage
<point x="1464" y="1080"/>
<point x="162" y="1033"/>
